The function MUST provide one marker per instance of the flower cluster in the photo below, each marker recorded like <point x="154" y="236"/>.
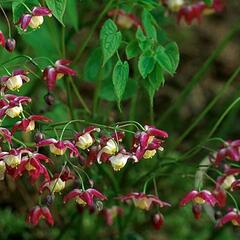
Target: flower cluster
<point x="225" y="184"/>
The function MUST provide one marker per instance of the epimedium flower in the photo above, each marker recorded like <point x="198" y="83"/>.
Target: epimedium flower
<point x="28" y="124"/>
<point x="125" y="20"/>
<point x="84" y="197"/>
<point x="59" y="147"/>
<point x="13" y="158"/>
<point x="33" y="166"/>
<point x="15" y="80"/>
<point x="199" y="197"/>
<point x="34" y="19"/>
<point x="232" y="216"/>
<point x="146" y="143"/>
<point x="53" y="73"/>
<point x="11" y="105"/>
<point x="58" y="182"/>
<point x="143" y="201"/>
<point x="10" y="44"/>
<point x="230" y="150"/>
<point x="39" y="212"/>
<point x="85" y="139"/>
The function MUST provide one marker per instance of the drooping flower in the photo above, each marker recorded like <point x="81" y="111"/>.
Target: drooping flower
<point x="59" y="147"/>
<point x="31" y="163"/>
<point x="232" y="216"/>
<point x="15" y="81"/>
<point x="85" y="197"/>
<point x="53" y="73"/>
<point x="143" y="201"/>
<point x="11" y="105"/>
<point x="197" y="211"/>
<point x="35" y="18"/>
<point x="199" y="198"/>
<point x="125" y="20"/>
<point x="58" y="182"/>
<point x="28" y="124"/>
<point x="85" y="139"/>
<point x="38" y="213"/>
<point x="146" y="143"/>
<point x="230" y="150"/>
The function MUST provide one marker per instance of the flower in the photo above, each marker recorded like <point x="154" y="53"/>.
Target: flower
<point x="28" y="124"/>
<point x="125" y="20"/>
<point x="53" y="73"/>
<point x="11" y="105"/>
<point x="147" y="142"/>
<point x="32" y="164"/>
<point x="13" y="158"/>
<point x="35" y="18"/>
<point x="119" y="160"/>
<point x="59" y="147"/>
<point x="197" y="211"/>
<point x="84" y="197"/>
<point x="15" y="81"/>
<point x="230" y="150"/>
<point x="199" y="198"/>
<point x="232" y="216"/>
<point x="143" y="201"/>
<point x="85" y="139"/>
<point x="58" y="183"/>
<point x="39" y="212"/>
<point x="157" y="220"/>
<point x="110" y="148"/>
<point x="2" y="39"/>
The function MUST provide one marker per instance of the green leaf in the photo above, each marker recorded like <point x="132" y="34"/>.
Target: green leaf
<point x="208" y="2"/>
<point x="171" y="49"/>
<point x="58" y="8"/>
<point x="71" y="16"/>
<point x="110" y="39"/>
<point x="156" y="78"/>
<point x="146" y="65"/>
<point x="132" y="49"/>
<point x="93" y="66"/>
<point x="120" y="78"/>
<point x="140" y="35"/>
<point x="147" y="20"/>
<point x="163" y="60"/>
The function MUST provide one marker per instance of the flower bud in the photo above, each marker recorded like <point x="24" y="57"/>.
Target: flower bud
<point x="197" y="210"/>
<point x="49" y="99"/>
<point x="39" y="137"/>
<point x="157" y="220"/>
<point x="10" y="44"/>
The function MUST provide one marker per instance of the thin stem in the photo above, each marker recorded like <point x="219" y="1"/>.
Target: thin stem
<point x="26" y="7"/>
<point x="80" y="98"/>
